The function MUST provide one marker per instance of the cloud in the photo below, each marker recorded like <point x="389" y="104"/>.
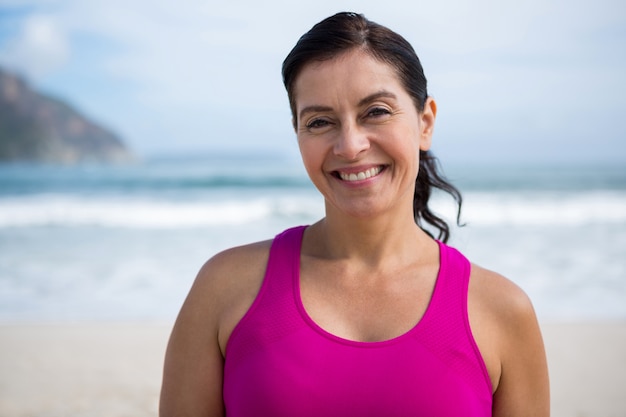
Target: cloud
<point x="40" y="47"/>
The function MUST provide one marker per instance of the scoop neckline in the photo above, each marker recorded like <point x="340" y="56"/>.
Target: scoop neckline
<point x="357" y="343"/>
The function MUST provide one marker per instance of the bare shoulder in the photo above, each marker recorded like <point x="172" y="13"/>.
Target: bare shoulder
<point x="498" y="296"/>
<point x="228" y="283"/>
<point x="223" y="290"/>
<point x="234" y="269"/>
<point x="221" y="294"/>
<point x="501" y="313"/>
<point x="507" y="333"/>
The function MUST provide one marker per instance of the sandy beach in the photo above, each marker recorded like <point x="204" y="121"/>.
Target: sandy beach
<point x="114" y="369"/>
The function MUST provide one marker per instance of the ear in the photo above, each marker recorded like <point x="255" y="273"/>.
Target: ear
<point x="427" y="123"/>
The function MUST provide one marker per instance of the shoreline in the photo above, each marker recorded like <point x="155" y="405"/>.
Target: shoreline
<point x="114" y="368"/>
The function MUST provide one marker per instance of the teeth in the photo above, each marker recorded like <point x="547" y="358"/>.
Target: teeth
<point x="361" y="175"/>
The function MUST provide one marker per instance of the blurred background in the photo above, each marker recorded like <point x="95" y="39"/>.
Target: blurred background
<point x="139" y="138"/>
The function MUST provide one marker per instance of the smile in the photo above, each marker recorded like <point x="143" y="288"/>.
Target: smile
<point x="360" y="176"/>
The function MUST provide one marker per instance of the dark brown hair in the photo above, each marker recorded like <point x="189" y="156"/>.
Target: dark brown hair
<point x="346" y="31"/>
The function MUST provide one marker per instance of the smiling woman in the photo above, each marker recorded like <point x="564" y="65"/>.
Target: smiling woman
<point x="386" y="47"/>
<point x="357" y="119"/>
<point x="363" y="313"/>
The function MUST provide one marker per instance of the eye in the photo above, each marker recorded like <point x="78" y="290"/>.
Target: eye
<point x="378" y="112"/>
<point x="317" y="124"/>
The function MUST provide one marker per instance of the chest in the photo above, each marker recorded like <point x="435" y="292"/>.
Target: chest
<point x="365" y="305"/>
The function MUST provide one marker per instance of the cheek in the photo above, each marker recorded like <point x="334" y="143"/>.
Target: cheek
<point x="311" y="156"/>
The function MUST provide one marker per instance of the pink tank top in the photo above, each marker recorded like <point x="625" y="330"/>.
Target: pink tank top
<point x="281" y="363"/>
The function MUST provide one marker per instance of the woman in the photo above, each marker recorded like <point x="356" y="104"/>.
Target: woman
<point x="363" y="313"/>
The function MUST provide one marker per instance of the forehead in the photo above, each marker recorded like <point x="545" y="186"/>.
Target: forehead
<point x="352" y="74"/>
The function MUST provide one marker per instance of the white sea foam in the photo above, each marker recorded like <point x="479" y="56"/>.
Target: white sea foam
<point x="484" y="209"/>
<point x="59" y="210"/>
<point x="539" y="208"/>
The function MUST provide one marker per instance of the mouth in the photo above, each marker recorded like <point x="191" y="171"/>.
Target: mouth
<point x="359" y="176"/>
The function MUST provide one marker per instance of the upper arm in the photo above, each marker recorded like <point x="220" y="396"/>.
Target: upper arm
<point x="192" y="373"/>
<point x="509" y="337"/>
<point x="523" y="389"/>
<point x="194" y="364"/>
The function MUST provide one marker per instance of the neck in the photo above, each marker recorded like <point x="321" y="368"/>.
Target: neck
<point x="368" y="240"/>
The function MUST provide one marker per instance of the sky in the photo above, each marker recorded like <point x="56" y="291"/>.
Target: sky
<point x="532" y="81"/>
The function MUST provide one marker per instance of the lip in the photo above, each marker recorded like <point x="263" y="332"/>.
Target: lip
<point x="358" y="174"/>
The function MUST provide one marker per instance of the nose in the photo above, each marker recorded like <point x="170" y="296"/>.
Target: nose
<point x="351" y="142"/>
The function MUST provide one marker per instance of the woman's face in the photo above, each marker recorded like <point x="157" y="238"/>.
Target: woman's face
<point x="360" y="134"/>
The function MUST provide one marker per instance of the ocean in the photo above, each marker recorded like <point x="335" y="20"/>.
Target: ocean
<point x="96" y="242"/>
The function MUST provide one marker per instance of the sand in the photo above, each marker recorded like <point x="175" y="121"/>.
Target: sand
<point x="114" y="369"/>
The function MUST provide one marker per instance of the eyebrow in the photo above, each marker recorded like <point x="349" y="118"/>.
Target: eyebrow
<point x="362" y="102"/>
<point x="376" y="96"/>
<point x="313" y="109"/>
